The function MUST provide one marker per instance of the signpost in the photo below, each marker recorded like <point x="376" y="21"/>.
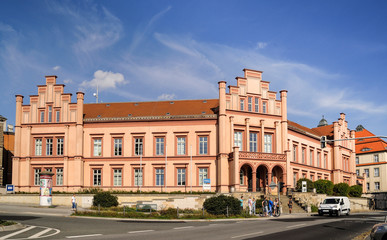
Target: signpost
<point x="207" y="184"/>
<point x="10" y="188"/>
<point x="304" y="186"/>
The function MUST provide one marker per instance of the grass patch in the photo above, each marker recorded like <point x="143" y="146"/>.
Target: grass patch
<point x="6" y="223"/>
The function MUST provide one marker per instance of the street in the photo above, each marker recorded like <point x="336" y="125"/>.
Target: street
<point x="55" y="223"/>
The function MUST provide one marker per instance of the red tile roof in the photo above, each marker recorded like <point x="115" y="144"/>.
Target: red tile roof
<point x="373" y="144"/>
<point x="325" y="130"/>
<point x="150" y="109"/>
<point x="302" y="129"/>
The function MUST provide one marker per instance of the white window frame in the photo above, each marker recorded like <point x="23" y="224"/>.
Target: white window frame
<point x="376" y="172"/>
<point x="181" y="177"/>
<point x="59" y="146"/>
<point x="203" y="174"/>
<point x="49" y="146"/>
<point x="250" y="104"/>
<point x="256" y="107"/>
<point x="97" y="147"/>
<point x="138" y="177"/>
<point x="181" y="145"/>
<point x="117" y="177"/>
<point x="117" y="146"/>
<point x="253" y="142"/>
<point x="138" y="146"/>
<point x="97" y="177"/>
<point x="59" y="176"/>
<point x="37" y="176"/>
<point x="238" y="140"/>
<point x="203" y="145"/>
<point x="268" y="138"/>
<point x="38" y="146"/>
<point x="159" y="172"/>
<point x="160" y="141"/>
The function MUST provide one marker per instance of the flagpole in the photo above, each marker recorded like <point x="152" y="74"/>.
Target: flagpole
<point x="190" y="174"/>
<point x="141" y="171"/>
<point x="165" y="176"/>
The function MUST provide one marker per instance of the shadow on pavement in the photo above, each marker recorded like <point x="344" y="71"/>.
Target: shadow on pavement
<point x="17" y="218"/>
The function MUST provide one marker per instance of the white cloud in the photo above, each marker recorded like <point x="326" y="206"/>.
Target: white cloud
<point x="6" y="28"/>
<point x="261" y="45"/>
<point x="105" y="80"/>
<point x="56" y="68"/>
<point x="67" y="81"/>
<point x="166" y="96"/>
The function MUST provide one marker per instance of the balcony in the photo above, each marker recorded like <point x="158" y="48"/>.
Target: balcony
<point x="259" y="156"/>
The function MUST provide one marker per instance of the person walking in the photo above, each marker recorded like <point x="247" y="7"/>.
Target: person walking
<point x="270" y="207"/>
<point x="276" y="207"/>
<point x="290" y="205"/>
<point x="73" y="202"/>
<point x="250" y="204"/>
<point x="265" y="205"/>
<point x="241" y="200"/>
<point x="254" y="205"/>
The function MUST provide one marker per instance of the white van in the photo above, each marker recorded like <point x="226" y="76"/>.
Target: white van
<point x="335" y="205"/>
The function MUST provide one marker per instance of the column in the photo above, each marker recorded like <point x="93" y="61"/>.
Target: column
<point x="254" y="179"/>
<point x="262" y="135"/>
<point x="247" y="120"/>
<point x="231" y="132"/>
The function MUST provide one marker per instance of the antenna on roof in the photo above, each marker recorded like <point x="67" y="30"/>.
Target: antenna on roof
<point x="96" y="95"/>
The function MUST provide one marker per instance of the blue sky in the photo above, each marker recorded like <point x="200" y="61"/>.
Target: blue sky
<point x="330" y="55"/>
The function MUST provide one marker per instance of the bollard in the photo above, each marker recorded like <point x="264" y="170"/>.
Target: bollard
<point x="177" y="212"/>
<point x="227" y="211"/>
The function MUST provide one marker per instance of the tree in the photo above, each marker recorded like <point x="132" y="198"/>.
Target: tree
<point x="105" y="199"/>
<point x="355" y="191"/>
<point x="324" y="186"/>
<point x="309" y="185"/>
<point x="341" y="189"/>
<point x="218" y="205"/>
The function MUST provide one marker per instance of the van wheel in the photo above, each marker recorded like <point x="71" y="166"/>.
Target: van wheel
<point x="348" y="212"/>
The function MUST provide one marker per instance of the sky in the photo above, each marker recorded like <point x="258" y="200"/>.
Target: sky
<point x="331" y="56"/>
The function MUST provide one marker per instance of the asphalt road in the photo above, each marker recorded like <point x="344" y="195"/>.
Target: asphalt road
<point x="56" y="223"/>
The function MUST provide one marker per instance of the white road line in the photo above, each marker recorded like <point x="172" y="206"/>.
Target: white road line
<point x="183" y="227"/>
<point x="80" y="236"/>
<point x="244" y="235"/>
<point x="142" y="231"/>
<point x="40" y="233"/>
<point x="298" y="225"/>
<point x="18" y="232"/>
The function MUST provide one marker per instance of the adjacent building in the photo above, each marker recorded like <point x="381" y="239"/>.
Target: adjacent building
<point x="239" y="141"/>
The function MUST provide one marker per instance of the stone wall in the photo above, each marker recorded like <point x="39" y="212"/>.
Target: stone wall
<point x="163" y="201"/>
<point x="357" y="204"/>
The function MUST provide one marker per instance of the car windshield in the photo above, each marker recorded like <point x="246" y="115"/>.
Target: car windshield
<point x="331" y="201"/>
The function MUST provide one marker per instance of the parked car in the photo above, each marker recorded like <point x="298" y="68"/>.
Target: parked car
<point x="335" y="205"/>
<point x="379" y="232"/>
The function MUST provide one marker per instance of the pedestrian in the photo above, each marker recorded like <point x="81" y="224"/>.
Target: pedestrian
<point x="254" y="205"/>
<point x="265" y="205"/>
<point x="241" y="200"/>
<point x="73" y="202"/>
<point x="250" y="204"/>
<point x="290" y="205"/>
<point x="270" y="207"/>
<point x="276" y="206"/>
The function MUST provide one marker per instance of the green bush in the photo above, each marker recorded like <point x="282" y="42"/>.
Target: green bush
<point x="218" y="205"/>
<point x="324" y="186"/>
<point x="355" y="191"/>
<point x="105" y="199"/>
<point x="309" y="185"/>
<point x="314" y="208"/>
<point x="341" y="189"/>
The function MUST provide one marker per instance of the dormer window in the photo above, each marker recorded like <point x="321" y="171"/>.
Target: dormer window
<point x="365" y="149"/>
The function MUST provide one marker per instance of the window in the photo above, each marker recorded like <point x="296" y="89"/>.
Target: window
<point x="138" y="146"/>
<point x="36" y="176"/>
<point x="38" y="147"/>
<point x="49" y="146"/>
<point x="117" y="146"/>
<point x="318" y="159"/>
<point x="365" y="149"/>
<point x="256" y="105"/>
<point x="57" y="113"/>
<point x="203" y="145"/>
<point x="59" y="146"/>
<point x="41" y="116"/>
<point x="295" y="153"/>
<point x="264" y="106"/>
<point x="357" y="160"/>
<point x="159" y="176"/>
<point x="294" y="179"/>
<point x="241" y="177"/>
<point x="253" y="142"/>
<point x="59" y="176"/>
<point x="303" y="155"/>
<point x="376" y="172"/>
<point x="181" y="176"/>
<point x="377" y="185"/>
<point x="367" y="172"/>
<point x="376" y="158"/>
<point x="311" y="153"/>
<point x="242" y="103"/>
<point x="203" y="174"/>
<point x="160" y="146"/>
<point x="138" y="177"/>
<point x="97" y="176"/>
<point x="267" y="143"/>
<point x="368" y="186"/>
<point x="238" y="140"/>
<point x="325" y="161"/>
<point x="117" y="177"/>
<point x="181" y="145"/>
<point x="250" y="104"/>
<point x="357" y="172"/>
<point x="97" y="147"/>
<point x="49" y="113"/>
<point x="49" y="169"/>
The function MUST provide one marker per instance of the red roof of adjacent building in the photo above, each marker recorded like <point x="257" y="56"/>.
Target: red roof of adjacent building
<point x="324" y="130"/>
<point x="302" y="129"/>
<point x="149" y="109"/>
<point x="369" y="145"/>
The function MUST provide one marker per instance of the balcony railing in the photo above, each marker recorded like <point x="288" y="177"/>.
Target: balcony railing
<point x="260" y="156"/>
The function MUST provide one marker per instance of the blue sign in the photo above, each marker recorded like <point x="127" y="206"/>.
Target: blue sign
<point x="206" y="181"/>
<point x="10" y="188"/>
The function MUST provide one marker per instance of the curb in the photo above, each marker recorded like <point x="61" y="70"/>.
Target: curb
<point x="11" y="227"/>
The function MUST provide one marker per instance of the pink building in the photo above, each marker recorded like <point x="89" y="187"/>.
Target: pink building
<point x="241" y="141"/>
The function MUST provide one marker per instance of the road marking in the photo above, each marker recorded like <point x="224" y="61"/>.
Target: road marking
<point x="37" y="235"/>
<point x="80" y="236"/>
<point x="183" y="227"/>
<point x="244" y="235"/>
<point x="142" y="231"/>
<point x="16" y="233"/>
<point x="298" y="225"/>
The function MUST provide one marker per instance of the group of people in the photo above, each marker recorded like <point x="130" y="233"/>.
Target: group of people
<point x="269" y="207"/>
